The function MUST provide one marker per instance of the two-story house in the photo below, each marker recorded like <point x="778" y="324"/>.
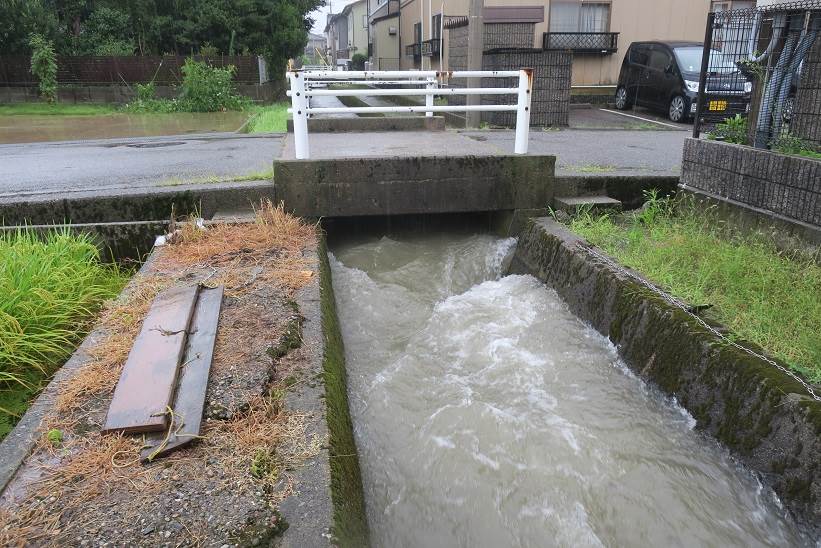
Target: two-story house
<point x="348" y="32"/>
<point x="409" y="34"/>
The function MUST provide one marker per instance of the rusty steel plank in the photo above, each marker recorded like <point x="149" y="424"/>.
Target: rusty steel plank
<point x="189" y="399"/>
<point x="146" y="385"/>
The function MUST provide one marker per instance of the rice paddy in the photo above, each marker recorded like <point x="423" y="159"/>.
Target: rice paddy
<point x="53" y="287"/>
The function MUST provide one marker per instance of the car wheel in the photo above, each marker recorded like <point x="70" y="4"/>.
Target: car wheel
<point x="678" y="109"/>
<point x="622" y="102"/>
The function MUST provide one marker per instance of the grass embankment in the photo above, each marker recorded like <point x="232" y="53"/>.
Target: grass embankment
<point x="57" y="109"/>
<point x="270" y="119"/>
<point x="762" y="295"/>
<point x="52" y="288"/>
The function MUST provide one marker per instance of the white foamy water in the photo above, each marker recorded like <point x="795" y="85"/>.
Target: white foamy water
<point x="487" y="415"/>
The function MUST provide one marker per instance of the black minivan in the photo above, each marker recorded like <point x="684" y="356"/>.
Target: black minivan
<point x="664" y="76"/>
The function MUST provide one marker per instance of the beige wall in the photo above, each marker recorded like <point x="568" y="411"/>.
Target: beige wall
<point x="384" y="45"/>
<point x="635" y="20"/>
<point x="357" y="32"/>
<point x="638" y="20"/>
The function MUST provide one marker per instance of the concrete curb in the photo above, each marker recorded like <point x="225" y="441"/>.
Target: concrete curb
<point x="142" y="204"/>
<point x="381" y="123"/>
<point x="310" y="512"/>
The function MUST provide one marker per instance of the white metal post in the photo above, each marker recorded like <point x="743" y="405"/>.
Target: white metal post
<point x="299" y="107"/>
<point x="523" y="111"/>
<point x="429" y="97"/>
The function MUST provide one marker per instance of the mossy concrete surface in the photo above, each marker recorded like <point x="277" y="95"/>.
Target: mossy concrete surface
<point x="142" y="204"/>
<point x="765" y="417"/>
<point x="350" y="528"/>
<point x="382" y="123"/>
<point x="413" y="185"/>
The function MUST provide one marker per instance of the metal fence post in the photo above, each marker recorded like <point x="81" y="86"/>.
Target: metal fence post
<point x="429" y="98"/>
<point x="523" y="111"/>
<point x="299" y="105"/>
<point x="702" y="80"/>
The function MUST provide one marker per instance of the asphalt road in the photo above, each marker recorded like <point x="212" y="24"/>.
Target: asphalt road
<point x="600" y="152"/>
<point x="32" y="169"/>
<point x="122" y="165"/>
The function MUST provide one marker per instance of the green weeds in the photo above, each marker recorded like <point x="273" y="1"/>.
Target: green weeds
<point x="270" y="119"/>
<point x="56" y="109"/>
<point x="52" y="289"/>
<point x="762" y="295"/>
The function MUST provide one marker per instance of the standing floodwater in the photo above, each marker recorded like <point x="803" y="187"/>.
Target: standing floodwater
<point x="486" y="414"/>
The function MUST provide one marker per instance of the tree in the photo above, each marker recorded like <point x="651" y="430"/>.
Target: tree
<point x="277" y="29"/>
<point x="19" y="19"/>
<point x="44" y="66"/>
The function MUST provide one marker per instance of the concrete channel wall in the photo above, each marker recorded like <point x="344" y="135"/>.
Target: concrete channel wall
<point x="420" y="185"/>
<point x="766" y="418"/>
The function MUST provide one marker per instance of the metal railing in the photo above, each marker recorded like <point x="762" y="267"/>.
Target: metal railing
<point x="431" y="48"/>
<point x="582" y="42"/>
<point x="304" y="84"/>
<point x="414" y="50"/>
<point x="751" y="66"/>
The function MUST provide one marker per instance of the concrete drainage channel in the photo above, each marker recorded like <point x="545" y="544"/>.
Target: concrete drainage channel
<point x="761" y="417"/>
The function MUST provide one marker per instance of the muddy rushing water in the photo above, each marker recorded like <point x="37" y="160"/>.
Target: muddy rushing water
<point x="486" y="414"/>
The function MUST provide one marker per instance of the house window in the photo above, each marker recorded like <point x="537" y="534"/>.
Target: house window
<point x="417" y="33"/>
<point x="436" y="26"/>
<point x="594" y="17"/>
<point x="365" y="21"/>
<point x="575" y="16"/>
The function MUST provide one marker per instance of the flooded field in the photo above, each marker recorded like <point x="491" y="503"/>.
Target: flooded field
<point x="487" y="415"/>
<point x="39" y="128"/>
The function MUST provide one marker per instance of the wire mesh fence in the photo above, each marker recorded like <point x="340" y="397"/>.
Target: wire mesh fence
<point x="751" y="70"/>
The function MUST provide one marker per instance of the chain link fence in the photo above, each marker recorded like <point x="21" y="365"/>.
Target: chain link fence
<point x="752" y="66"/>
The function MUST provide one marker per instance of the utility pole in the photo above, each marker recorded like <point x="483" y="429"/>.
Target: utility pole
<point x="476" y="27"/>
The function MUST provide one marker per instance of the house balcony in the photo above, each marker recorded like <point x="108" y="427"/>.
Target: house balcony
<point x="414" y="50"/>
<point x="432" y="48"/>
<point x="604" y="43"/>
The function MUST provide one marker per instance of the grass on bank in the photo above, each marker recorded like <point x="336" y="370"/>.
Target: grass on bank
<point x="52" y="287"/>
<point x="57" y="109"/>
<point x="270" y="118"/>
<point x="770" y="298"/>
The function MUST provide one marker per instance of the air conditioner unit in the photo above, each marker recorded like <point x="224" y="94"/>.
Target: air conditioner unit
<point x="392" y="31"/>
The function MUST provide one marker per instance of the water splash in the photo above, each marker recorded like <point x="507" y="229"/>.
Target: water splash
<point x="488" y="415"/>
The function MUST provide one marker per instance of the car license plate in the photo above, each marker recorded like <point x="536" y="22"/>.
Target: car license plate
<point x="717" y="106"/>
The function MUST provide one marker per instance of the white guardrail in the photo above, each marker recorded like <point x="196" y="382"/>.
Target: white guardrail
<point x="304" y="85"/>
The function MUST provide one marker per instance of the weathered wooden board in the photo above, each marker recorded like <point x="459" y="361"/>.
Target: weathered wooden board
<point x="147" y="382"/>
<point x="189" y="399"/>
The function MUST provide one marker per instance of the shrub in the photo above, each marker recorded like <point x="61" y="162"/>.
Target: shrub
<point x="145" y="92"/>
<point x="207" y="50"/>
<point x="208" y="89"/>
<point x="44" y="66"/>
<point x="788" y="143"/>
<point x="358" y="61"/>
<point x="731" y="130"/>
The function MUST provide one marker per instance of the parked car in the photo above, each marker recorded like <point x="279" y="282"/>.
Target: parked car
<point x="665" y="76"/>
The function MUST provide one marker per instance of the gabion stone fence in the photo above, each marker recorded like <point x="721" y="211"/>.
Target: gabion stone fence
<point x="785" y="186"/>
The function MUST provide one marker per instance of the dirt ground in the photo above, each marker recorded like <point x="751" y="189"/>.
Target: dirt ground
<point x="81" y="488"/>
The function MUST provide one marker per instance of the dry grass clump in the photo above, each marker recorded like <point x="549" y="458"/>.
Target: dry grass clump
<point x="272" y="230"/>
<point x="268" y="442"/>
<point x="96" y="466"/>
